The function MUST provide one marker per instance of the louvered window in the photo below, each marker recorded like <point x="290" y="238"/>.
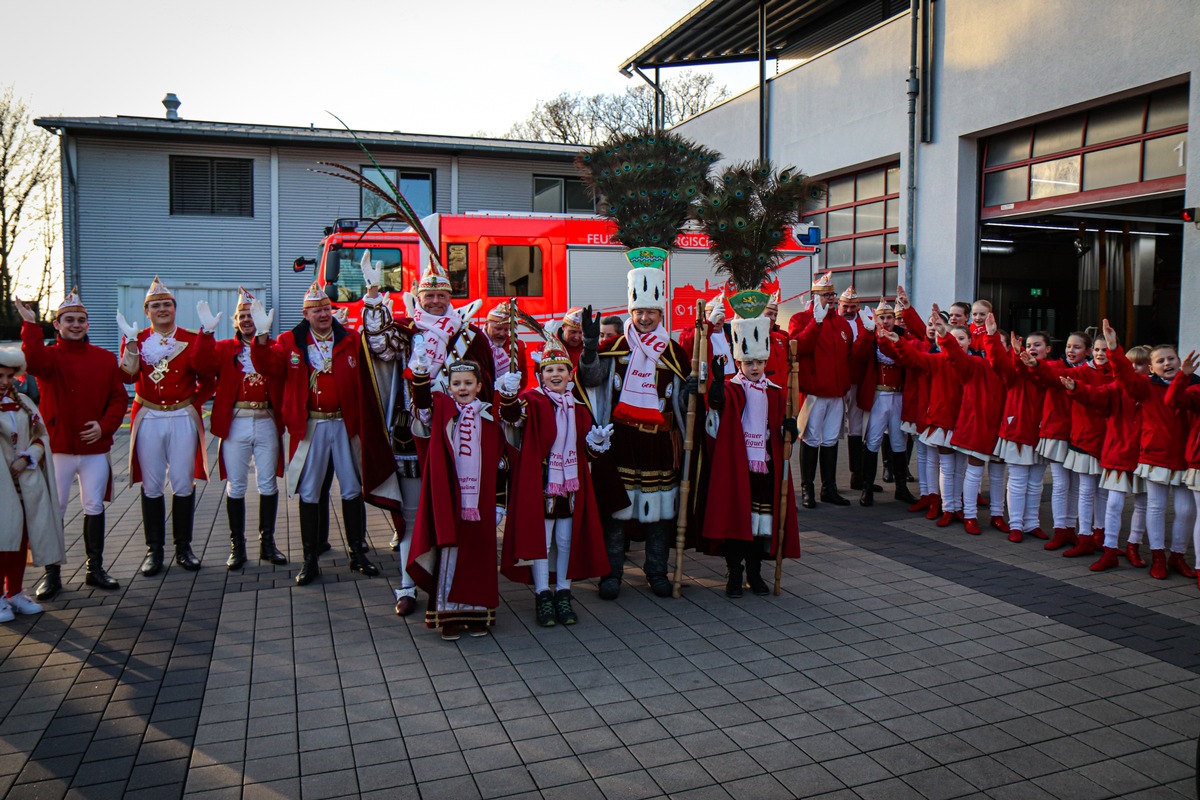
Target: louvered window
<point x="218" y="187"/>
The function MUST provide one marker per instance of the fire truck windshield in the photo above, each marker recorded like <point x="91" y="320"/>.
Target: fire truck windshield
<point x="342" y="265"/>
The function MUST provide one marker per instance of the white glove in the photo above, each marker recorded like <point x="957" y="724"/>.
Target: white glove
<point x="420" y="362"/>
<point x="819" y="311"/>
<point x="600" y="439"/>
<point x="128" y="331"/>
<point x="410" y="305"/>
<point x="509" y="384"/>
<point x="208" y="322"/>
<point x="868" y="318"/>
<point x="717" y="315"/>
<point x="370" y="272"/>
<point x="341" y="315"/>
<point x="262" y="318"/>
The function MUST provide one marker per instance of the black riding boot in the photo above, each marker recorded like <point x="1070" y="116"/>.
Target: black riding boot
<point x="614" y="545"/>
<point x="154" y="524"/>
<point x="808" y="473"/>
<point x="309" y="540"/>
<point x="49" y="584"/>
<point x="734" y="553"/>
<point x="235" y="509"/>
<point x="886" y="458"/>
<point x="900" y="467"/>
<point x="870" y="460"/>
<point x="829" y="490"/>
<point x="182" y="514"/>
<point x="268" y="509"/>
<point x="658" y="546"/>
<point x="93" y="545"/>
<point x="354" y="518"/>
<point x="323" y="545"/>
<point x="754" y="559"/>
<point x="854" y="448"/>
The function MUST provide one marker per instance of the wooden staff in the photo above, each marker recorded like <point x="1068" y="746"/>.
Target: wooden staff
<point x="699" y="362"/>
<point x="513" y="351"/>
<point x="793" y="401"/>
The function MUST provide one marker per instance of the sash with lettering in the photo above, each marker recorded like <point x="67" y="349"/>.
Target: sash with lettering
<point x="754" y="421"/>
<point x="435" y="337"/>
<point x="638" y="402"/>
<point x="467" y="444"/>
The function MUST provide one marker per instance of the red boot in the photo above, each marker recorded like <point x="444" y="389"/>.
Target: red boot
<point x="945" y="519"/>
<point x="1158" y="565"/>
<point x="935" y="507"/>
<point x="1107" y="561"/>
<point x="1038" y="533"/>
<point x="1178" y="562"/>
<point x="972" y="526"/>
<point x="1014" y="536"/>
<point x="1133" y="554"/>
<point x="1098" y="537"/>
<point x="1084" y="546"/>
<point x="1062" y="537"/>
<point x="999" y="524"/>
<point x="923" y="503"/>
<point x="981" y="500"/>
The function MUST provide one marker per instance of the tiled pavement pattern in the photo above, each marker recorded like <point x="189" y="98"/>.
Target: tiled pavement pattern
<point x="901" y="661"/>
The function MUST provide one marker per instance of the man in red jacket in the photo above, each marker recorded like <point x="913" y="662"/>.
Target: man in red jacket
<point x="172" y="372"/>
<point x="319" y="363"/>
<point x="777" y="360"/>
<point x="83" y="402"/>
<point x="499" y="333"/>
<point x="824" y="343"/>
<point x="246" y="418"/>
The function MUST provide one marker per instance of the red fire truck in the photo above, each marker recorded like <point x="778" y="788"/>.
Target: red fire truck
<point x="549" y="262"/>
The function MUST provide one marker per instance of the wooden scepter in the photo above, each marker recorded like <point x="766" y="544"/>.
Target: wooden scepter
<point x="514" y="350"/>
<point x="793" y="401"/>
<point x="699" y="362"/>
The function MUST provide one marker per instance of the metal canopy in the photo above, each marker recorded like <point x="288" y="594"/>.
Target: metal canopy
<point x="722" y="31"/>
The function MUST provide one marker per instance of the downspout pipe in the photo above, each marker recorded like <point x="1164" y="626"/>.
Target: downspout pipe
<point x="658" y="96"/>
<point x="763" y="105"/>
<point x="914" y="91"/>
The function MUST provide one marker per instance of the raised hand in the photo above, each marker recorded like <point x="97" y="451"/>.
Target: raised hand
<point x="891" y="336"/>
<point x="717" y="315"/>
<point x="208" y="322"/>
<point x="371" y="273"/>
<point x="820" y="310"/>
<point x="1189" y="363"/>
<point x="1027" y="358"/>
<point x="420" y="364"/>
<point x="410" y="305"/>
<point x="600" y="438"/>
<point x="901" y="299"/>
<point x="989" y="324"/>
<point x="1015" y="342"/>
<point x="1110" y="337"/>
<point x="868" y="318"/>
<point x="1068" y="383"/>
<point x="128" y="331"/>
<point x="262" y="318"/>
<point x="590" y="325"/>
<point x="24" y="311"/>
<point x="509" y="384"/>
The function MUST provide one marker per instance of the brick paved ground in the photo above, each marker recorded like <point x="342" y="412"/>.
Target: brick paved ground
<point x="901" y="661"/>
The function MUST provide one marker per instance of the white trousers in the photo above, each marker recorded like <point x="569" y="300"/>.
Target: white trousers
<point x="885" y="416"/>
<point x="824" y="425"/>
<point x="1064" y="495"/>
<point x="166" y="452"/>
<point x="329" y="440"/>
<point x="410" y="497"/>
<point x="927" y="468"/>
<point x="251" y="438"/>
<point x="972" y="483"/>
<point x="952" y="468"/>
<point x="854" y="414"/>
<point x="93" y="480"/>
<point x="1114" y="509"/>
<point x="558" y="544"/>
<point x="1089" y="502"/>
<point x="1024" y="496"/>
<point x="1156" y="516"/>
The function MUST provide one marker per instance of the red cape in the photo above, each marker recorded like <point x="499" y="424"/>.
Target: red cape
<point x="727" y="513"/>
<point x="525" y="527"/>
<point x="439" y="521"/>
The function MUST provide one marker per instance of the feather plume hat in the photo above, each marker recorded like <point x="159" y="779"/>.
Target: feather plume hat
<point x="746" y="211"/>
<point x="644" y="182"/>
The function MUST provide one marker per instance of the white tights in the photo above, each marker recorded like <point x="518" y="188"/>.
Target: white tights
<point x="1088" y="485"/>
<point x="1196" y="529"/>
<point x="1024" y="495"/>
<point x="926" y="468"/>
<point x="1064" y="495"/>
<point x="558" y="535"/>
<point x="952" y="469"/>
<point x="1156" y="516"/>
<point x="996" y="488"/>
<point x="1113" y="510"/>
<point x="972" y="481"/>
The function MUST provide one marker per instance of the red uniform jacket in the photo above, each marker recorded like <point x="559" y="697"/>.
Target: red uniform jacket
<point x="687" y="340"/>
<point x="80" y="383"/>
<point x="857" y="331"/>
<point x="230" y="379"/>
<point x="824" y="350"/>
<point x="875" y="373"/>
<point x="945" y="388"/>
<point x="727" y="511"/>
<point x="439" y="518"/>
<point x="1184" y="395"/>
<point x="1122" y="439"/>
<point x="1087" y="430"/>
<point x="916" y="384"/>
<point x="1021" y="422"/>
<point x="1056" y="408"/>
<point x="525" y="524"/>
<point x="978" y="421"/>
<point x="1165" y="428"/>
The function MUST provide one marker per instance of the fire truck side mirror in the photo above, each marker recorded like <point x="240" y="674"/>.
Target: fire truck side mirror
<point x="300" y="263"/>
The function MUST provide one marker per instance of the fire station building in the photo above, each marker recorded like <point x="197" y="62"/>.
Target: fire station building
<point x="1046" y="166"/>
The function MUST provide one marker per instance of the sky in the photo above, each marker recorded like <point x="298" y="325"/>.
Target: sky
<point x="459" y="67"/>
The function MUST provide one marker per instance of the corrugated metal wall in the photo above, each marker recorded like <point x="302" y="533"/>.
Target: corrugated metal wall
<point x="494" y="185"/>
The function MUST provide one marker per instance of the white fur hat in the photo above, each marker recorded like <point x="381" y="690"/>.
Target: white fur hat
<point x="647" y="288"/>
<point x="13" y="358"/>
<point x="751" y="338"/>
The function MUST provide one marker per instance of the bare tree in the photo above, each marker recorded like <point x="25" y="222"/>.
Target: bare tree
<point x="573" y="118"/>
<point x="28" y="164"/>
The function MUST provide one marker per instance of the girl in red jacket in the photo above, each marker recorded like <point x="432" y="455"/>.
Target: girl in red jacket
<point x="1017" y="443"/>
<point x="1083" y="459"/>
<point x="1184" y="394"/>
<point x="915" y="404"/>
<point x="1055" y="436"/>
<point x="1162" y="461"/>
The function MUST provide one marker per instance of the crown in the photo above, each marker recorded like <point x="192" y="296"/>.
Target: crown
<point x="554" y="353"/>
<point x="433" y="279"/>
<point x="158" y="291"/>
<point x="823" y="284"/>
<point x="315" y="296"/>
<point x="71" y="302"/>
<point x="245" y="298"/>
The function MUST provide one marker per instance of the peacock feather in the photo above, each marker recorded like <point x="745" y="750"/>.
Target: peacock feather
<point x="745" y="211"/>
<point x="645" y="183"/>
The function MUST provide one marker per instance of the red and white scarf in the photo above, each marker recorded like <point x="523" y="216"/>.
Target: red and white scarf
<point x="436" y="334"/>
<point x="467" y="442"/>
<point x="638" y="402"/>
<point x="562" y="465"/>
<point x="499" y="357"/>
<point x="754" y="421"/>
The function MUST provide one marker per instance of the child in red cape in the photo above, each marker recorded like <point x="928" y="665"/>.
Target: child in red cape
<point x="453" y="555"/>
<point x="552" y="507"/>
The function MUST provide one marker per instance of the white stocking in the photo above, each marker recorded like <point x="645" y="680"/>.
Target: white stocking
<point x="562" y="544"/>
<point x="1185" y="517"/>
<point x="1137" y="525"/>
<point x="972" y="481"/>
<point x="1018" y="485"/>
<point x="1060" y="490"/>
<point x="996" y="488"/>
<point x="1087" y="500"/>
<point x="1156" y="512"/>
<point x="1033" y="497"/>
<point x="1113" y="511"/>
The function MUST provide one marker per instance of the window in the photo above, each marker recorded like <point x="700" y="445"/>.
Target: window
<point x="553" y="195"/>
<point x="343" y="274"/>
<point x="457" y="263"/>
<point x="860" y="218"/>
<point x="417" y="188"/>
<point x="214" y="187"/>
<point x="514" y="271"/>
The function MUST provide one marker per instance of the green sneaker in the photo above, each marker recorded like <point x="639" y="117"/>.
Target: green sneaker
<point x="562" y="607"/>
<point x="544" y="609"/>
